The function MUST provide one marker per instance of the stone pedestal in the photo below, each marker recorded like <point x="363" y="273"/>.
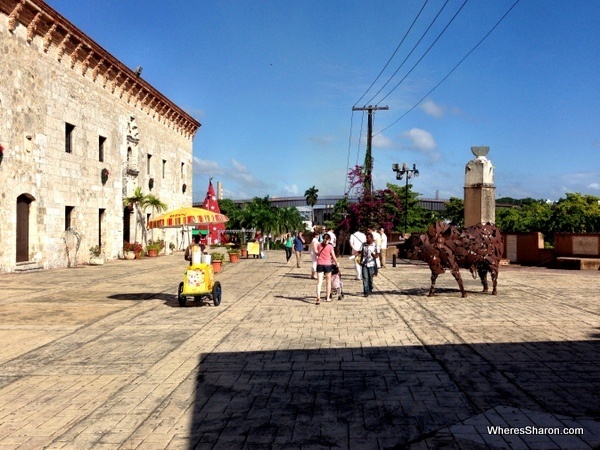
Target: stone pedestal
<point x="480" y="192"/>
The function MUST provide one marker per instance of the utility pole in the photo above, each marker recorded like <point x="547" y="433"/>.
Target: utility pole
<point x="368" y="184"/>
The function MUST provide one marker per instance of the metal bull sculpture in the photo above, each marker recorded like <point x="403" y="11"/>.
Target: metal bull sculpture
<point x="478" y="248"/>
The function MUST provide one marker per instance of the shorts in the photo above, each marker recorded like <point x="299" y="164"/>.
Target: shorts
<point x="324" y="269"/>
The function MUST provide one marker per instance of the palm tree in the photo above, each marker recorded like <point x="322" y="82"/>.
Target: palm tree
<point x="136" y="201"/>
<point x="155" y="203"/>
<point x="288" y="219"/>
<point x="311" y="200"/>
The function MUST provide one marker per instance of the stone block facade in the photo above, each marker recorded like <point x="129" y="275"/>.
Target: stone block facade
<point x="69" y="114"/>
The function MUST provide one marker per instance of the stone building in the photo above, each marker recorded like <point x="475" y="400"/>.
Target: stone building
<point x="79" y="132"/>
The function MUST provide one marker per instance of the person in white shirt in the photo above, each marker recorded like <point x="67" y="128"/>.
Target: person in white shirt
<point x="357" y="239"/>
<point x="377" y="241"/>
<point x="383" y="246"/>
<point x="333" y="237"/>
<point x="370" y="254"/>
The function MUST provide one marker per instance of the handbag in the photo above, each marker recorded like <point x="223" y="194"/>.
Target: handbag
<point x="358" y="259"/>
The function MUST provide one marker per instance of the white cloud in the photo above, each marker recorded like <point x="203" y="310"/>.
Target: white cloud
<point x="432" y="109"/>
<point x="594" y="186"/>
<point x="381" y="141"/>
<point x="420" y="139"/>
<point x="291" y="190"/>
<point x="423" y="142"/>
<point x="204" y="166"/>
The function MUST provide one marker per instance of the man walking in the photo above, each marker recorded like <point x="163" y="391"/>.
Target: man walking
<point x="383" y="246"/>
<point x="298" y="247"/>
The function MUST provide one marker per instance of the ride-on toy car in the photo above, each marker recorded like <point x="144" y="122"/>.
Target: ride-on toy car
<point x="199" y="282"/>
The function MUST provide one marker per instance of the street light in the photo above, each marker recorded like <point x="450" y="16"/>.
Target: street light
<point x="400" y="172"/>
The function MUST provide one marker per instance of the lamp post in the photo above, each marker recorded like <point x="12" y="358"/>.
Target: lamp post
<point x="400" y="173"/>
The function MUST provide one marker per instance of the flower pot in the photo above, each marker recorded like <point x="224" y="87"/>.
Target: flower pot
<point x="129" y="255"/>
<point x="234" y="257"/>
<point x="216" y="265"/>
<point x="96" y="261"/>
<point x="244" y="253"/>
<point x="152" y="253"/>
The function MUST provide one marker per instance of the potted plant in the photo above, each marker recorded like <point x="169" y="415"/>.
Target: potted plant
<point x="217" y="261"/>
<point x="234" y="255"/>
<point x="132" y="250"/>
<point x="96" y="256"/>
<point x="152" y="249"/>
<point x="244" y="252"/>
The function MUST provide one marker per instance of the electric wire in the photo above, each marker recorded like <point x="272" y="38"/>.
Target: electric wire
<point x="393" y="54"/>
<point x="424" y="54"/>
<point x="410" y="53"/>
<point x="453" y="69"/>
<point x="348" y="156"/>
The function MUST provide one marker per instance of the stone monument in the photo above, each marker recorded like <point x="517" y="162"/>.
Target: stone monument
<point x="480" y="200"/>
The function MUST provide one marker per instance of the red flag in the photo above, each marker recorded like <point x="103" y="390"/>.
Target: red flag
<point x="216" y="231"/>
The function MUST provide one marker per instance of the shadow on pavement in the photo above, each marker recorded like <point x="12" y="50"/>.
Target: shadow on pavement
<point x="303" y="299"/>
<point x="145" y="296"/>
<point x="395" y="397"/>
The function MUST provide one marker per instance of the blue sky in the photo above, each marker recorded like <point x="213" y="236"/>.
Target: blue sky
<point x="274" y="82"/>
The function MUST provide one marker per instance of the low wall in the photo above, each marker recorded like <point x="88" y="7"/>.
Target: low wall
<point x="585" y="245"/>
<point x="527" y="248"/>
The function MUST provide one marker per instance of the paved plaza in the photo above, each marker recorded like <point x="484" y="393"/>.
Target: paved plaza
<point x="104" y="358"/>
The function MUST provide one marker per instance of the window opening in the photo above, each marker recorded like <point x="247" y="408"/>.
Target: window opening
<point x="101" y="141"/>
<point x="68" y="214"/>
<point x="69" y="137"/>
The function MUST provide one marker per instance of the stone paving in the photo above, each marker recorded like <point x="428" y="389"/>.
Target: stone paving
<point x="103" y="357"/>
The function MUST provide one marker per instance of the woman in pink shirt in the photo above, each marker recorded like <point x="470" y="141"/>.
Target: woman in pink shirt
<point x="325" y="261"/>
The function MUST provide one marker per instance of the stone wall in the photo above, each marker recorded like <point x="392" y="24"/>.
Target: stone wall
<point x="42" y="91"/>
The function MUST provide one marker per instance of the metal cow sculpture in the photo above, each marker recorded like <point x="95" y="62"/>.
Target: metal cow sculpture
<point x="478" y="248"/>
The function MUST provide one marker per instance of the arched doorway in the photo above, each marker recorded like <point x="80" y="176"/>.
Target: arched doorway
<point x="23" y="206"/>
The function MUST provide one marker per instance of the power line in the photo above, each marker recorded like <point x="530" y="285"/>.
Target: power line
<point x="453" y="69"/>
<point x="426" y="52"/>
<point x="393" y="54"/>
<point x="348" y="157"/>
<point x="411" y="52"/>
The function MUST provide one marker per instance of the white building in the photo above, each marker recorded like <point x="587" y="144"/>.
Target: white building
<point x="80" y="131"/>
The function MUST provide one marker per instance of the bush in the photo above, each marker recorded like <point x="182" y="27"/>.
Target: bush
<point x="217" y="256"/>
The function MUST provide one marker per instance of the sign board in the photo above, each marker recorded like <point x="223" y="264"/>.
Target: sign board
<point x="585" y="245"/>
<point x="253" y="248"/>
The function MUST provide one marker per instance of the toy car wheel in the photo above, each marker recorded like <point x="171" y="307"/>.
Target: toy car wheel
<point x="216" y="293"/>
<point x="180" y="297"/>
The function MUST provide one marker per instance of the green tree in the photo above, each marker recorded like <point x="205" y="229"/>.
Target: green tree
<point x="311" y="197"/>
<point x="454" y="211"/>
<point x="136" y="201"/>
<point x="576" y="213"/>
<point x="417" y="218"/>
<point x="288" y="219"/>
<point x="233" y="211"/>
<point x="259" y="214"/>
<point x="153" y="202"/>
